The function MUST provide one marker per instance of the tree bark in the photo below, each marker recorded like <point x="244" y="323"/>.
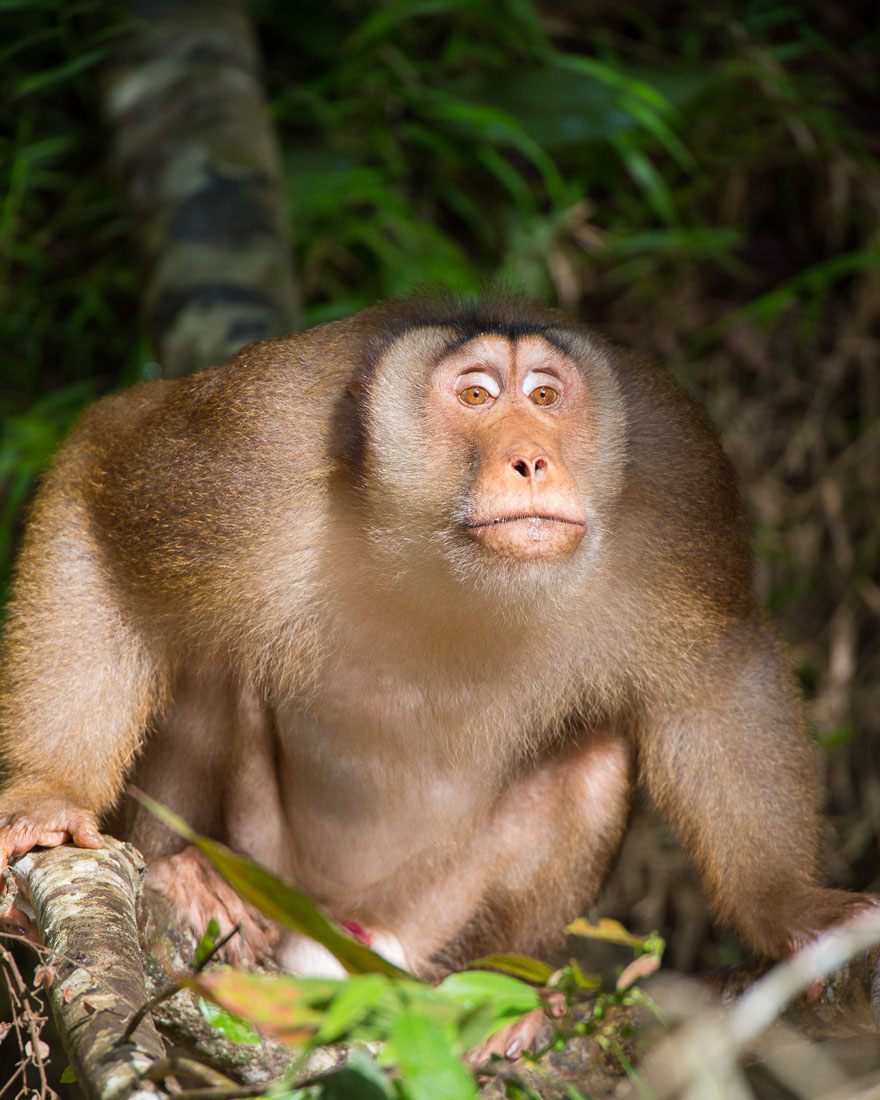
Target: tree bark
<point x="84" y="908"/>
<point x="199" y="166"/>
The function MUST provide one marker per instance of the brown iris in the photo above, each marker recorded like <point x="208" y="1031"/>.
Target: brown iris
<point x="474" y="395"/>
<point x="544" y="395"/>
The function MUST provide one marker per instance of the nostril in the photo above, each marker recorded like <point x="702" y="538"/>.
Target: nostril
<point x="529" y="468"/>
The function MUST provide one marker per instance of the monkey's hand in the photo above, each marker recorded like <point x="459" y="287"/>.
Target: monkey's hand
<point x="45" y="822"/>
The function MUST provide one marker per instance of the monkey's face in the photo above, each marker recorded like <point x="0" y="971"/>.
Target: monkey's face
<point x="490" y="451"/>
<point x="516" y="410"/>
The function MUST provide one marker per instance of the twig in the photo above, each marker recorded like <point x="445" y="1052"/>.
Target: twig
<point x="26" y="1018"/>
<point x="170" y="990"/>
<point x="236" y="1092"/>
<point x="241" y="1092"/>
<point x="177" y="1065"/>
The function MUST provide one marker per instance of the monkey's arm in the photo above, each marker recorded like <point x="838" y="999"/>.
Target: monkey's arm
<point x="78" y="679"/>
<point x="731" y="765"/>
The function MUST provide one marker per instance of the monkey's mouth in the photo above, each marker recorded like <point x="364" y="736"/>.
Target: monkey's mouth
<point x="528" y="535"/>
<point x="537" y="517"/>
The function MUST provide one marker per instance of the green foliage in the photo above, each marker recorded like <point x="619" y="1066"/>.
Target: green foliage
<point x="231" y="1027"/>
<point x="68" y="303"/>
<point x="206" y="944"/>
<point x="682" y="174"/>
<point x="424" y="1031"/>
<point x="449" y="142"/>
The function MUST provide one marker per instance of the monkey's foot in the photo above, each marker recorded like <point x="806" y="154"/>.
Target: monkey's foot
<point x="196" y="892"/>
<point x="45" y="823"/>
<point x="523" y="1033"/>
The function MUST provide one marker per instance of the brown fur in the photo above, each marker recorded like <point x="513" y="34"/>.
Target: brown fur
<point x="278" y="593"/>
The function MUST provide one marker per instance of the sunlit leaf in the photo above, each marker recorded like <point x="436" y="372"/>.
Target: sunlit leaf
<point x="521" y="966"/>
<point x="233" y="1027"/>
<point x="285" y="1008"/>
<point x="354" y="1001"/>
<point x="607" y="930"/>
<point x="428" y="1069"/>
<point x="495" y="999"/>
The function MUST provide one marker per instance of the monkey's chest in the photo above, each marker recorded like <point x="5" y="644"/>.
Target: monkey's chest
<point x="365" y="732"/>
<point x="377" y="771"/>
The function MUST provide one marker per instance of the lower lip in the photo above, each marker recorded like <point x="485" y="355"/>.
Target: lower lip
<point x="529" y="537"/>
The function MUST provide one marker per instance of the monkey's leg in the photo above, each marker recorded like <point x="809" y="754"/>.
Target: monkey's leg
<point x="552" y="842"/>
<point x="541" y="861"/>
<point x="211" y="760"/>
<point x="731" y="766"/>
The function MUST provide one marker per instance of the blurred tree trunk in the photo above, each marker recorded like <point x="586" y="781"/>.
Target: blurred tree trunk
<point x="199" y="166"/>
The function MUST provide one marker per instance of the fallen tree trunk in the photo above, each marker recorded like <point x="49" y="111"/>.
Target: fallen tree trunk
<point x="84" y="908"/>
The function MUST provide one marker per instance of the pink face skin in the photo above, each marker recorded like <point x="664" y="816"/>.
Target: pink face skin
<point x="522" y="406"/>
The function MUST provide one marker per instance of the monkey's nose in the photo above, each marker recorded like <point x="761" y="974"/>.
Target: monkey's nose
<point x="534" y="468"/>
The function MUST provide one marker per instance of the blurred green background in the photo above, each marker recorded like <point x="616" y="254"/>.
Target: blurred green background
<point x="700" y="181"/>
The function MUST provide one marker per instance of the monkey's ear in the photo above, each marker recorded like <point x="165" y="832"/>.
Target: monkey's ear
<point x="354" y="388"/>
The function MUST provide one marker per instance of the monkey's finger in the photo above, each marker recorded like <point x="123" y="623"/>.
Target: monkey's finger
<point x="554" y="1002"/>
<point x="22" y="837"/>
<point x="511" y="1040"/>
<point x="85" y="835"/>
<point x="18" y="923"/>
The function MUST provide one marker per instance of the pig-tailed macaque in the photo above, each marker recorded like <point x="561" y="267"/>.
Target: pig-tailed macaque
<point x="405" y="607"/>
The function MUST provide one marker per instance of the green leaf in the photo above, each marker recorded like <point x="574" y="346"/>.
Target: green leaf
<point x="68" y="1077"/>
<point x="233" y="1027"/>
<point x="43" y="81"/>
<point x="207" y="943"/>
<point x="646" y="176"/>
<point x="359" y="1079"/>
<point x="278" y="899"/>
<point x="286" y="1008"/>
<point x="428" y="1069"/>
<point x="521" y="966"/>
<point x="509" y="997"/>
<point x="814" y="281"/>
<point x="356" y="999"/>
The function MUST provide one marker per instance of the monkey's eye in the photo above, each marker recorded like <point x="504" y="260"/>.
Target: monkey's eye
<point x="544" y="395"/>
<point x="474" y="395"/>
